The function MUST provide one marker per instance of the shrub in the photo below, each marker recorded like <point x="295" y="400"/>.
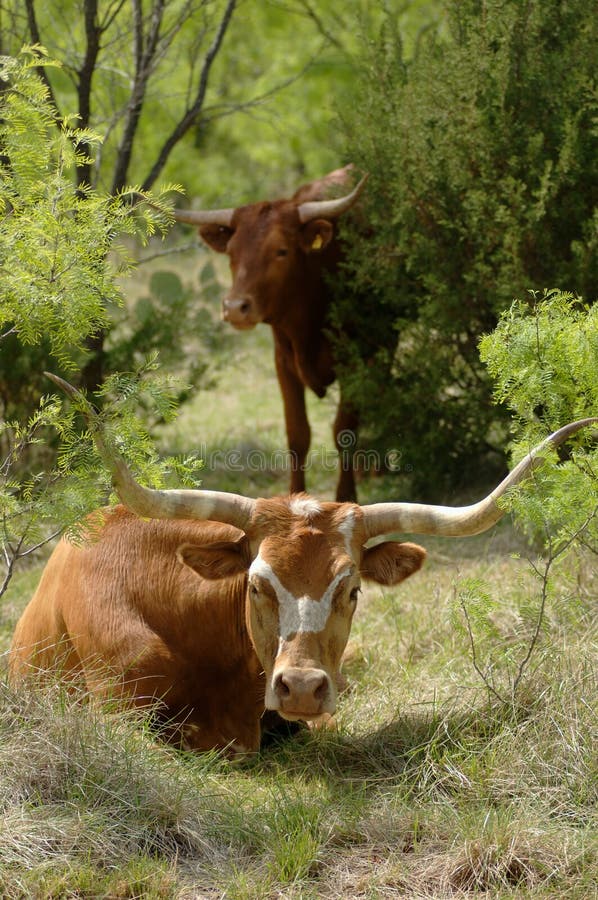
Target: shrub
<point x="483" y="166"/>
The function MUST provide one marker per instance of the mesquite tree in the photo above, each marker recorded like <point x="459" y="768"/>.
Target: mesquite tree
<point x="59" y="262"/>
<point x="115" y="58"/>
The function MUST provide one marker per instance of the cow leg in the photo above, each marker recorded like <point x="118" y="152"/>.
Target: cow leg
<point x="345" y="438"/>
<point x="295" y="413"/>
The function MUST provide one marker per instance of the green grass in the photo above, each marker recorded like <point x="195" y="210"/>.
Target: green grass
<point x="430" y="786"/>
<point x="238" y="429"/>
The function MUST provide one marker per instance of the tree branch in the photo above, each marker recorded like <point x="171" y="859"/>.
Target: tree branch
<point x="112" y="15"/>
<point x="143" y="59"/>
<point x="85" y="77"/>
<point x="311" y="13"/>
<point x="41" y="71"/>
<point x="192" y="113"/>
<point x="474" y="657"/>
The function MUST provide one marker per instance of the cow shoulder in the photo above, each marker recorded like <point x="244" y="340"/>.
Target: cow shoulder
<point x="391" y="561"/>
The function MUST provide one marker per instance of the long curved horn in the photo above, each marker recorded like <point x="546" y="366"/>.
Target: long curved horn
<point x="329" y="209"/>
<point x="459" y="521"/>
<point x="217" y="506"/>
<point x="221" y="217"/>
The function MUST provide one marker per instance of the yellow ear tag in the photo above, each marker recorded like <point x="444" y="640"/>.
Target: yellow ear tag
<point x="318" y="243"/>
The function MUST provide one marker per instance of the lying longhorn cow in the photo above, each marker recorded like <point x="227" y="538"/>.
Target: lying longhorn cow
<point x="220" y="606"/>
<point x="282" y="254"/>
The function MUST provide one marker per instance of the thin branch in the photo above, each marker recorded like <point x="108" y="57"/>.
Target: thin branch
<point x="552" y="557"/>
<point x="7" y="577"/>
<point x="193" y="112"/>
<point x="312" y="14"/>
<point x="16" y="554"/>
<point x="540" y="618"/>
<point x="41" y="70"/>
<point x="40" y="544"/>
<point x="93" y="33"/>
<point x="474" y="658"/>
<point x="211" y="113"/>
<point x="10" y="559"/>
<point x="112" y="14"/>
<point x="182" y="248"/>
<point x="144" y="52"/>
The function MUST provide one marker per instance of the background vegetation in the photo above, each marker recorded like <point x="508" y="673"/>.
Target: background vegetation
<point x="168" y="94"/>
<point x="483" y="162"/>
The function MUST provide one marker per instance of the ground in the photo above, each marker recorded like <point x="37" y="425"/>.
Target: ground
<point x="438" y="780"/>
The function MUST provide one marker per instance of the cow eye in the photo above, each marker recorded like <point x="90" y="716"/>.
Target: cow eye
<point x="354" y="595"/>
<point x="253" y="592"/>
<point x="282" y="251"/>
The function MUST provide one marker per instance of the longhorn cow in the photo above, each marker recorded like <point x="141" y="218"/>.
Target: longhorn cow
<point x="213" y="607"/>
<point x="282" y="254"/>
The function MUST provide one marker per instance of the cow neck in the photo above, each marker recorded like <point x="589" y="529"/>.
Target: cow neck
<point x="301" y="327"/>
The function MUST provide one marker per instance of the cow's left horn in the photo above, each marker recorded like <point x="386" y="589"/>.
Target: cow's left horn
<point x="329" y="209"/>
<point x="459" y="521"/>
<point x="217" y="506"/>
<point x="222" y="217"/>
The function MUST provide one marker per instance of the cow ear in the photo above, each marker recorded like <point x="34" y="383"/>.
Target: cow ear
<point x="316" y="235"/>
<point x="391" y="561"/>
<point x="219" y="559"/>
<point x="216" y="236"/>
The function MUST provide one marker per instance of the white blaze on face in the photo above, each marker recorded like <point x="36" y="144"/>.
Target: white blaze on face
<point x="298" y="614"/>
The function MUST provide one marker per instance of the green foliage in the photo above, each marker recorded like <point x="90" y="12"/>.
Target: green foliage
<point x="167" y="320"/>
<point x="49" y="497"/>
<point x="482" y="159"/>
<point x="544" y="360"/>
<point x="269" y="95"/>
<point x="59" y="255"/>
<point x="59" y="261"/>
<point x="300" y="59"/>
<point x="53" y="260"/>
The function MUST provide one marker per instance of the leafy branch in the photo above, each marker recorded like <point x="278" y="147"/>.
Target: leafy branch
<point x="543" y="573"/>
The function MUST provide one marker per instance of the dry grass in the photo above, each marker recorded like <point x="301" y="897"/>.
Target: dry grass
<point x="429" y="788"/>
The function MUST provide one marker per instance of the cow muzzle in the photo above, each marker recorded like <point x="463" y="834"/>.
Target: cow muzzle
<point x="240" y="312"/>
<point x="301" y="693"/>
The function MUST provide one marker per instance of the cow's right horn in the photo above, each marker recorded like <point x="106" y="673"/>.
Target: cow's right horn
<point x="217" y="506"/>
<point x="222" y="217"/>
<point x="329" y="209"/>
<point x="460" y="521"/>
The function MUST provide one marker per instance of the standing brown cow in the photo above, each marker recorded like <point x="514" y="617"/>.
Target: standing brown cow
<point x="282" y="254"/>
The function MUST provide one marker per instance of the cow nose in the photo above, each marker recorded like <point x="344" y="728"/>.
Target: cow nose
<point x="238" y="311"/>
<point x="302" y="692"/>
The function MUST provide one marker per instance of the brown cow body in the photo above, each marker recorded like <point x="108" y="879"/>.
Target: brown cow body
<point x="158" y="612"/>
<point x="282" y="254"/>
<point x="220" y="605"/>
